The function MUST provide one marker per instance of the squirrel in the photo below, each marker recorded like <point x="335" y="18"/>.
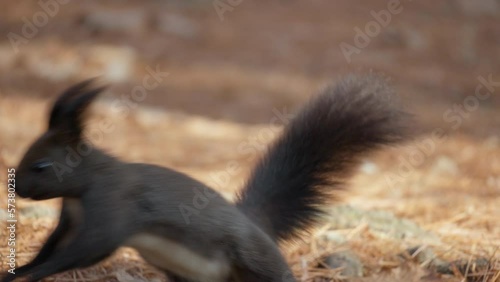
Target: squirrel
<point x="108" y="203"/>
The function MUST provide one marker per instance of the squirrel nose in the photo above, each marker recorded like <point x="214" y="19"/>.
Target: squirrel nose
<point x="22" y="192"/>
<point x="21" y="189"/>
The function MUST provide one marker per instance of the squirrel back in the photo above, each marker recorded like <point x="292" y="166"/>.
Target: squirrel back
<point x="294" y="180"/>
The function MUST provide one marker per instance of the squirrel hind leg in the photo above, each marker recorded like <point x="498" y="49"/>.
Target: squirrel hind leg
<point x="236" y="277"/>
<point x="174" y="278"/>
<point x="248" y="275"/>
<point x="258" y="258"/>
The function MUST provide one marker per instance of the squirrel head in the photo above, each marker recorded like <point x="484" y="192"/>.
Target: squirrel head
<point x="55" y="165"/>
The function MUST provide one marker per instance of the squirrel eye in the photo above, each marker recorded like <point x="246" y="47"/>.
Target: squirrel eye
<point x="40" y="165"/>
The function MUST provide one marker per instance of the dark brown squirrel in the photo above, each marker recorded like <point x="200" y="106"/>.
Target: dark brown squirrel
<point x="108" y="203"/>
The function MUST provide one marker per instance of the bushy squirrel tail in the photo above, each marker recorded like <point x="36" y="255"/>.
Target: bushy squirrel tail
<point x="295" y="179"/>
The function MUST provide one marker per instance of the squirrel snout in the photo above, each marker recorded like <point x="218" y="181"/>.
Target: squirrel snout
<point x="24" y="189"/>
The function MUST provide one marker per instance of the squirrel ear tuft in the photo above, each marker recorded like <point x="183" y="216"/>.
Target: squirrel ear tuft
<point x="69" y="109"/>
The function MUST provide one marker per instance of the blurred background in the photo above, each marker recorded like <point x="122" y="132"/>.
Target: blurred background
<point x="223" y="69"/>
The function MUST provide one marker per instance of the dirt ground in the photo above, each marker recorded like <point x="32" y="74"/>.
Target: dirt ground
<point x="226" y="67"/>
